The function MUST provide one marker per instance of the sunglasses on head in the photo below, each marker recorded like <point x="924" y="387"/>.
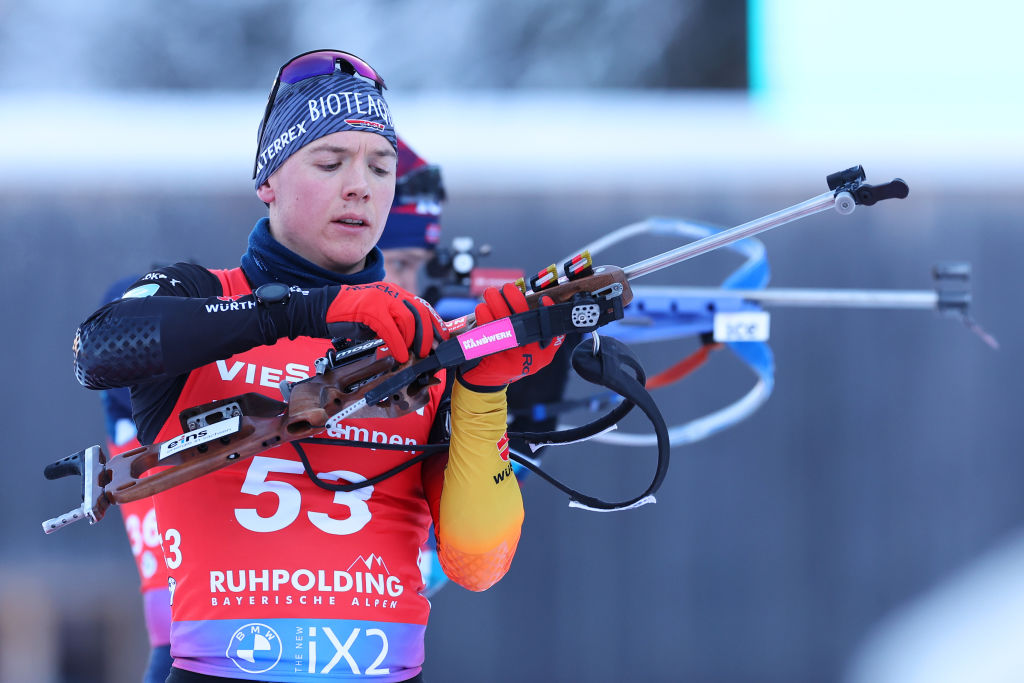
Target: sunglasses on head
<point x="308" y="65"/>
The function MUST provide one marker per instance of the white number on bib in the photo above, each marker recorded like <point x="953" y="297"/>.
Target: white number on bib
<point x="150" y="532"/>
<point x="289" y="499"/>
<point x="142" y="534"/>
<point x="134" y="528"/>
<point x="172" y="553"/>
<point x="355" y="501"/>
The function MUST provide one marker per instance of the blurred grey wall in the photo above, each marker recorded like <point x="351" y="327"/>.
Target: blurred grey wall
<point x="480" y="44"/>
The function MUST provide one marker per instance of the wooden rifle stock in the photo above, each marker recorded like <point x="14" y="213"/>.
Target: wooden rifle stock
<point x="602" y="278"/>
<point x="263" y="423"/>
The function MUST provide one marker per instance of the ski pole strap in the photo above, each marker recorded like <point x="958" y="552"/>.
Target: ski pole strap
<point x="607" y="365"/>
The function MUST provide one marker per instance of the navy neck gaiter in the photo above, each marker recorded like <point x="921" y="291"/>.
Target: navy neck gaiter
<point x="267" y="260"/>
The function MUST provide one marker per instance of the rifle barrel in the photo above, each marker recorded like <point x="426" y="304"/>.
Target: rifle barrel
<point x="711" y="242"/>
<point x="819" y="298"/>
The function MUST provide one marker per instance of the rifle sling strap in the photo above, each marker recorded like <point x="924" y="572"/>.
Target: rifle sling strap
<point x="608" y="366"/>
<point x="612" y="365"/>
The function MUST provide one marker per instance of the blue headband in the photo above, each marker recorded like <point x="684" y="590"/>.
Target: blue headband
<point x="318" y="106"/>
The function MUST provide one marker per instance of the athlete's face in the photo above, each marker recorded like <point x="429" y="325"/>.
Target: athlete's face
<point x="402" y="266"/>
<point x="329" y="201"/>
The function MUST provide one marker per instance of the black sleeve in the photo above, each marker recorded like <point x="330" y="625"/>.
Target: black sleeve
<point x="175" y="319"/>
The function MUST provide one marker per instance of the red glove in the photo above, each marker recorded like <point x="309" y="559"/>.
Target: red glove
<point x="510" y="365"/>
<point x="402" y="320"/>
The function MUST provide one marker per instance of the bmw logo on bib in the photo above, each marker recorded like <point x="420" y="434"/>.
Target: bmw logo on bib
<point x="255" y="648"/>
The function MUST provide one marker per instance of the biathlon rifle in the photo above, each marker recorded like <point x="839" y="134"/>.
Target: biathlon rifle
<point x="361" y="378"/>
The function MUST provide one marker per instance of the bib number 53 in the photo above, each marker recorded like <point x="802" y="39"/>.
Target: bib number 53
<point x="289" y="499"/>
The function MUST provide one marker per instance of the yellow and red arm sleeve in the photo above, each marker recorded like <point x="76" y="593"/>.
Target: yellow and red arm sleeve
<point x="481" y="508"/>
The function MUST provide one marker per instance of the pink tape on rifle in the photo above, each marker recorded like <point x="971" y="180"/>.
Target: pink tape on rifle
<point x="490" y="338"/>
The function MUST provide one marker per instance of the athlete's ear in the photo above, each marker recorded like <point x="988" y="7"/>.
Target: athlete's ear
<point x="265" y="193"/>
